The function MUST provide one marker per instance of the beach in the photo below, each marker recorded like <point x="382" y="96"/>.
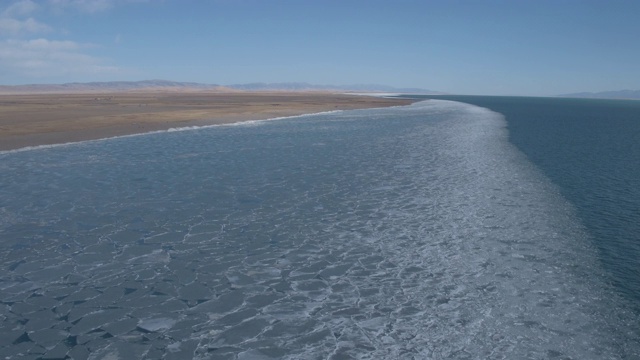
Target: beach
<point x="55" y="118"/>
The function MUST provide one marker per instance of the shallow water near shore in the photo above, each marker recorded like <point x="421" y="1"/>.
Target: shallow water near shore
<point x="411" y="232"/>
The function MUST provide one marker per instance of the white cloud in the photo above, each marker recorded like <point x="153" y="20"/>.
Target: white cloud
<point x="12" y="21"/>
<point x="50" y="58"/>
<point x="50" y="45"/>
<point x="20" y="8"/>
<point x="90" y="6"/>
<point x="9" y="26"/>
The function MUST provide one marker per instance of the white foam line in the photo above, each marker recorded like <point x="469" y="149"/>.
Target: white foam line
<point x="379" y="95"/>
<point x="185" y="128"/>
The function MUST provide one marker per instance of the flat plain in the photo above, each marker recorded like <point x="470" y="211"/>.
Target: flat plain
<point x="53" y="118"/>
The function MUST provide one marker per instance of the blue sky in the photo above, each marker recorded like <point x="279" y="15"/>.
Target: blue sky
<point x="508" y="47"/>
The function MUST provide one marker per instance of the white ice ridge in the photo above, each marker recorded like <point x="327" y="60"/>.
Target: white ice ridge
<point x="156" y="324"/>
<point x="382" y="95"/>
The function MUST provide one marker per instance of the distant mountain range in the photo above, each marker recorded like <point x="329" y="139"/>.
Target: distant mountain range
<point x="301" y="86"/>
<point x="620" y="94"/>
<point x="165" y="85"/>
<point x="108" y="86"/>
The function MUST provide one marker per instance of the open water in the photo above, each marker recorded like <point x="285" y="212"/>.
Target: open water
<point x="591" y="149"/>
<point x="417" y="232"/>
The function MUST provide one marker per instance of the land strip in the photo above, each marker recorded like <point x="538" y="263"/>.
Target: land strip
<point x="53" y="118"/>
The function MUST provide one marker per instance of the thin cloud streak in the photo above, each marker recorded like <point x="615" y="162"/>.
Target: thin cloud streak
<point x="89" y="6"/>
<point x="20" y="8"/>
<point x="10" y="26"/>
<point x="48" y="58"/>
<point x="41" y="57"/>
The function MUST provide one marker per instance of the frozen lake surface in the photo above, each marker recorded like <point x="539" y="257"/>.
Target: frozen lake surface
<point x="416" y="232"/>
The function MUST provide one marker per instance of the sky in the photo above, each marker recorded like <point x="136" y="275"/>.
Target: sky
<point x="482" y="47"/>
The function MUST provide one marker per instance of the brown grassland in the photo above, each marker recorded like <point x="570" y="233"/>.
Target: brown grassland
<point x="53" y="118"/>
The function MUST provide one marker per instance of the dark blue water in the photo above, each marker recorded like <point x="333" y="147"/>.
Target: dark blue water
<point x="415" y="232"/>
<point x="591" y="149"/>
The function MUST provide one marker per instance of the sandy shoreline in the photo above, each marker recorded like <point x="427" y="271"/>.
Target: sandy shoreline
<point x="44" y="119"/>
